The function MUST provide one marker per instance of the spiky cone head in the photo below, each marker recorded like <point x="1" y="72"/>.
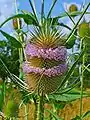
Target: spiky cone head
<point x="84" y="29"/>
<point x="17" y="23"/>
<point x="73" y="8"/>
<point x="46" y="61"/>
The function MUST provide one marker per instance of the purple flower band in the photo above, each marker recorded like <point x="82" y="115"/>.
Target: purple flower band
<point x="56" y="70"/>
<point x="59" y="53"/>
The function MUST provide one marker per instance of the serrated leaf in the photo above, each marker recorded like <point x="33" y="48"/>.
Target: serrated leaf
<point x="13" y="41"/>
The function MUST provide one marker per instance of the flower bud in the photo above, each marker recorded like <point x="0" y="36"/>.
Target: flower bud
<point x="17" y="21"/>
<point x="73" y="8"/>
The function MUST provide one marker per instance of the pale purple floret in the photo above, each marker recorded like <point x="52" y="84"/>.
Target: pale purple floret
<point x="59" y="53"/>
<point x="56" y="70"/>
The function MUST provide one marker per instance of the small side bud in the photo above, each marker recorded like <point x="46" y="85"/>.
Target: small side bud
<point x="73" y="8"/>
<point x="17" y="23"/>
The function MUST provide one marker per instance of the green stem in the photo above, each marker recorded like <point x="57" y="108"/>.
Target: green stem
<point x="4" y="92"/>
<point x="20" y="49"/>
<point x="20" y="61"/>
<point x="36" y="108"/>
<point x="41" y="107"/>
<point x="82" y="77"/>
<point x="54" y="111"/>
<point x="26" y="112"/>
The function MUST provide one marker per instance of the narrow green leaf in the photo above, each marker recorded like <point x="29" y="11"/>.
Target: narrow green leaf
<point x="14" y="78"/>
<point x="14" y="42"/>
<point x="54" y="21"/>
<point x="33" y="20"/>
<point x="53" y="114"/>
<point x="1" y="99"/>
<point x="70" y="17"/>
<point x="63" y="25"/>
<point x="71" y="14"/>
<point x="42" y="10"/>
<point x="66" y="97"/>
<point x="87" y="114"/>
<point x="52" y="6"/>
<point x="86" y="68"/>
<point x="34" y="11"/>
<point x="70" y="87"/>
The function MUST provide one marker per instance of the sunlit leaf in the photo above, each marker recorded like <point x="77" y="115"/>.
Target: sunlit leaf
<point x="14" y="42"/>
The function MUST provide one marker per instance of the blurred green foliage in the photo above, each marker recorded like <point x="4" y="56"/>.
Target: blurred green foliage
<point x="10" y="56"/>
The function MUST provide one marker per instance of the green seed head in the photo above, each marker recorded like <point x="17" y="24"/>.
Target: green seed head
<point x="73" y="8"/>
<point x="84" y="29"/>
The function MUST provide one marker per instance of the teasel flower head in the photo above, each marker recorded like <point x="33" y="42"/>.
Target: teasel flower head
<point x="46" y="60"/>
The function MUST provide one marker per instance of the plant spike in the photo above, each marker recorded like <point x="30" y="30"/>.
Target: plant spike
<point x="34" y="11"/>
<point x="42" y="11"/>
<point x="52" y="6"/>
